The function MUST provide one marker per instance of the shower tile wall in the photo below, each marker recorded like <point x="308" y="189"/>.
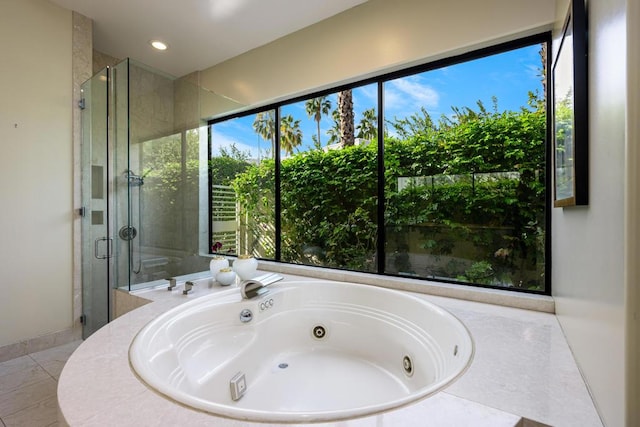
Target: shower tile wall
<point x="186" y="111"/>
<point x="101" y="60"/>
<point x="160" y="109"/>
<point x="147" y="110"/>
<point x="187" y="95"/>
<point x="151" y="104"/>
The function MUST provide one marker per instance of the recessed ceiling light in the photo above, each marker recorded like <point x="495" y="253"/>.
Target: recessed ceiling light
<point x="157" y="44"/>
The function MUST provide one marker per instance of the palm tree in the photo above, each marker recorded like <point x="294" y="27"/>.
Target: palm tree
<point x="367" y="128"/>
<point x="316" y="108"/>
<point x="334" y="132"/>
<point x="345" y="106"/>
<point x="543" y="70"/>
<point x="290" y="134"/>
<point x="265" y="126"/>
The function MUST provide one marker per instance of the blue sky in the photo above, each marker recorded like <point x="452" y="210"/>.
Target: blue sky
<point x="509" y="76"/>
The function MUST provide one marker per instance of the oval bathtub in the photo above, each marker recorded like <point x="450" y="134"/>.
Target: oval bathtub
<point x="312" y="351"/>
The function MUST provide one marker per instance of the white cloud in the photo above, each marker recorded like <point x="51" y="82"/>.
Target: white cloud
<point x="370" y="93"/>
<point x="533" y="70"/>
<point x="409" y="93"/>
<point x="220" y="140"/>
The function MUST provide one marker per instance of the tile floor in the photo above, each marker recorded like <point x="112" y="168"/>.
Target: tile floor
<point x="28" y="387"/>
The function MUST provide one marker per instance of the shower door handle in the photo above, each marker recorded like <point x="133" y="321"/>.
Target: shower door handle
<point x="96" y="250"/>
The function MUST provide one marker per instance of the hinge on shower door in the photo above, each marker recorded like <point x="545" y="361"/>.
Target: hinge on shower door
<point x="83" y="319"/>
<point x="81" y="103"/>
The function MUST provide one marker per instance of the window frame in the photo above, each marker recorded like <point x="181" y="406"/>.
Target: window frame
<point x="380" y="80"/>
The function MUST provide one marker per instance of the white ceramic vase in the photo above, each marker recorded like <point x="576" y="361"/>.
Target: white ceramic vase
<point x="225" y="276"/>
<point x="246" y="267"/>
<point x="216" y="264"/>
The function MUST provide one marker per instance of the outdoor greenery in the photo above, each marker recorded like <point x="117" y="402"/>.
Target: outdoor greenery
<point x="485" y="201"/>
<point x="563" y="119"/>
<point x="224" y="168"/>
<point x="167" y="170"/>
<point x="473" y="201"/>
<point x="329" y="205"/>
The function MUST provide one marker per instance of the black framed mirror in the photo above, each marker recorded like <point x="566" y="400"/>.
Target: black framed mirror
<point x="570" y="111"/>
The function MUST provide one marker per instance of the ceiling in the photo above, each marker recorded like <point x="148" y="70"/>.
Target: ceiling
<point x="200" y="33"/>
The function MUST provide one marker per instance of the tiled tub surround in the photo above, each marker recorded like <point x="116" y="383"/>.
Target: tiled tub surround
<point x="522" y="368"/>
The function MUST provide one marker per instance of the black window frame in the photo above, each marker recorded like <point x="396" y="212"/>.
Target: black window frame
<point x="380" y="80"/>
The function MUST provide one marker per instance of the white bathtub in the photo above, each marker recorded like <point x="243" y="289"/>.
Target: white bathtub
<point x="381" y="349"/>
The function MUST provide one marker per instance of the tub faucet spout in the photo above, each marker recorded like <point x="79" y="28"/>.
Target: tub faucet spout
<point x="258" y="286"/>
<point x="188" y="286"/>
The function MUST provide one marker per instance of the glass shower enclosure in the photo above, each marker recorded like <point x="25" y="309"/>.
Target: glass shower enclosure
<point x="144" y="180"/>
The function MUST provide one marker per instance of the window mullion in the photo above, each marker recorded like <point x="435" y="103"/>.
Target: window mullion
<point x="278" y="201"/>
<point x="381" y="256"/>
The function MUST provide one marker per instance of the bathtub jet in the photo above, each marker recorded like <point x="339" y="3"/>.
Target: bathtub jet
<point x="345" y="350"/>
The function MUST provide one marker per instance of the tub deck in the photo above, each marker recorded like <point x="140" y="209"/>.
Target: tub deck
<point x="522" y="369"/>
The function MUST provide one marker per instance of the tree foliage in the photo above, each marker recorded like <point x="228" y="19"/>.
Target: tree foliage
<point x="368" y="126"/>
<point x="316" y="108"/>
<point x="329" y="204"/>
<point x="478" y="180"/>
<point x="167" y="169"/>
<point x="230" y="163"/>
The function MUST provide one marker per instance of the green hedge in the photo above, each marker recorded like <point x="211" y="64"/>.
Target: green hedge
<point x="329" y="199"/>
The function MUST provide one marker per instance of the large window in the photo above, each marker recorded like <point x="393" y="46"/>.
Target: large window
<point x="329" y="180"/>
<point x="435" y="172"/>
<point x="242" y="185"/>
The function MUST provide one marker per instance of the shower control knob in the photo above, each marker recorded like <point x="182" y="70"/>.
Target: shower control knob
<point x="128" y="232"/>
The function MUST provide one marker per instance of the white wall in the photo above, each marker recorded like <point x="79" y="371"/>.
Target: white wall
<point x="632" y="211"/>
<point x="588" y="242"/>
<point x="377" y="35"/>
<point x="35" y="170"/>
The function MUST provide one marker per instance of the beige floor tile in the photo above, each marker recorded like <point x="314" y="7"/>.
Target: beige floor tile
<point x="27" y="390"/>
<point x="23" y="378"/>
<point x="24" y="397"/>
<point x="15" y="365"/>
<point x="55" y="354"/>
<point x="41" y="414"/>
<point x="53" y="360"/>
<point x="53" y="368"/>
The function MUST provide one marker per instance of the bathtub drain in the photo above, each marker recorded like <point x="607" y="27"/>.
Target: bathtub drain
<point x="283" y="365"/>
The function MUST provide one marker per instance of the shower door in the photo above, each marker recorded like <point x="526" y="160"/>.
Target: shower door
<point x="97" y="244"/>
